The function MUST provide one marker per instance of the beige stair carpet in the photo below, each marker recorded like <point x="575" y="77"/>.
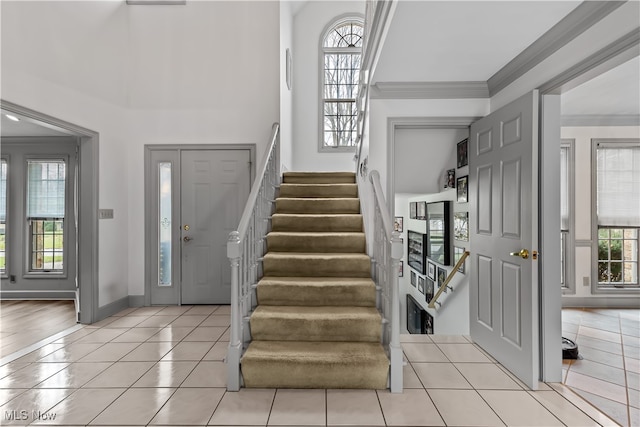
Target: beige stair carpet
<point x="316" y="324"/>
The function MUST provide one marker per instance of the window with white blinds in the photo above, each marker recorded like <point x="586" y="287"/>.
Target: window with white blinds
<point x="564" y="188"/>
<point x="618" y="187"/>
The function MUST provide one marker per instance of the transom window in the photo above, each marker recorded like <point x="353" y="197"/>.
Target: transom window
<point x="341" y="54"/>
<point x="618" y="214"/>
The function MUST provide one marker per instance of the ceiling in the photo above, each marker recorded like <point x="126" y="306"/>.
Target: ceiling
<point x="26" y="127"/>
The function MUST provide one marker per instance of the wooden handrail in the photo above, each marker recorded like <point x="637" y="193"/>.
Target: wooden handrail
<point x="432" y="303"/>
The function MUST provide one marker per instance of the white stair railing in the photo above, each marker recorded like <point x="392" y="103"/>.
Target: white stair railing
<point x="387" y="252"/>
<point x="245" y="249"/>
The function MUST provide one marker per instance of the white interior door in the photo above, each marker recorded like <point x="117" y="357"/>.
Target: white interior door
<point x="215" y="185"/>
<point x="503" y="186"/>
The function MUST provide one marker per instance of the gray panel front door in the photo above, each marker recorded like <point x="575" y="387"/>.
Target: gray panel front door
<point x="503" y="208"/>
<point x="215" y="185"/>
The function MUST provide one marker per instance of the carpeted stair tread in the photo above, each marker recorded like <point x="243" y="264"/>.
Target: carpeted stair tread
<point x="292" y="364"/>
<point x="328" y="323"/>
<point x="289" y="264"/>
<point x="317" y="291"/>
<point x="319" y="178"/>
<point x="317" y="223"/>
<point x="279" y="241"/>
<point x="319" y="190"/>
<point x="332" y="205"/>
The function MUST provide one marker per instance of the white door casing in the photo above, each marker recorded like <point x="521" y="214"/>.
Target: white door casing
<point x="503" y="190"/>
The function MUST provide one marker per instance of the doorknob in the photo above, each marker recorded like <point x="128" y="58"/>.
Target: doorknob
<point x="186" y="228"/>
<point x="524" y="254"/>
<point x="187" y="238"/>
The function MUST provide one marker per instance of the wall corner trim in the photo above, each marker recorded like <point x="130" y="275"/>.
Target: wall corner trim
<point x="571" y="26"/>
<point x="112" y="308"/>
<point x="136" y="300"/>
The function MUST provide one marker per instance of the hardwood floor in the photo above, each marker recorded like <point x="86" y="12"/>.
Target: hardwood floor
<point x="23" y="323"/>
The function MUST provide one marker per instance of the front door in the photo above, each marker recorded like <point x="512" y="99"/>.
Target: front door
<point x="195" y="198"/>
<point x="215" y="187"/>
<point x="503" y="185"/>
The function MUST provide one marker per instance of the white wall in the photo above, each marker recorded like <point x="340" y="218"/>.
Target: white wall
<point x="207" y="72"/>
<point x="308" y="26"/>
<point x="583" y="204"/>
<point x="286" y="94"/>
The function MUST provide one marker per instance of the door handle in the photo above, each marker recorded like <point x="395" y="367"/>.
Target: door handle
<point x="524" y="254"/>
<point x="187" y="238"/>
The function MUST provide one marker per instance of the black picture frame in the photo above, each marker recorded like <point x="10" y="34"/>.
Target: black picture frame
<point x="450" y="179"/>
<point x="413" y="208"/>
<point x="439" y="232"/>
<point x="461" y="226"/>
<point x="429" y="290"/>
<point x="417" y="250"/>
<point x="401" y="269"/>
<point x="413" y="279"/>
<point x="442" y="276"/>
<point x="431" y="270"/>
<point x="462" y="185"/>
<point x="421" y="284"/>
<point x="463" y="153"/>
<point x="398" y="224"/>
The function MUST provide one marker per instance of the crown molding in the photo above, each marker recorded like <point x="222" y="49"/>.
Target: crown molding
<point x="571" y="26"/>
<point x="429" y="90"/>
<point x="580" y="120"/>
<point x="157" y="2"/>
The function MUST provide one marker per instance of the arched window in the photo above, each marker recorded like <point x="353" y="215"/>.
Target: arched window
<point x="340" y="74"/>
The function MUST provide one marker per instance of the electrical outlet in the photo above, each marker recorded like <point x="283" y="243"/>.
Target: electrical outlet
<point x="105" y="214"/>
<point x="586" y="281"/>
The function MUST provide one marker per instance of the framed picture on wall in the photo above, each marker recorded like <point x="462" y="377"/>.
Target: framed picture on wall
<point x="457" y="254"/>
<point x="431" y="270"/>
<point x="463" y="153"/>
<point x="450" y="179"/>
<point x="413" y="207"/>
<point x="413" y="279"/>
<point x="462" y="185"/>
<point x="422" y="210"/>
<point x="442" y="276"/>
<point x="421" y="284"/>
<point x="461" y="226"/>
<point x="398" y="224"/>
<point x="428" y="290"/>
<point x="401" y="269"/>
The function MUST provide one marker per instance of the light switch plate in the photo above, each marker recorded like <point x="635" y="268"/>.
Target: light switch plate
<point x="105" y="214"/>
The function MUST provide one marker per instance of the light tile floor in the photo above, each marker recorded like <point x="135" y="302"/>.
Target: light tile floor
<point x="607" y="374"/>
<point x="164" y="366"/>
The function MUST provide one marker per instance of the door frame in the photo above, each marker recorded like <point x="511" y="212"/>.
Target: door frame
<point x="149" y="191"/>
<point x="87" y="184"/>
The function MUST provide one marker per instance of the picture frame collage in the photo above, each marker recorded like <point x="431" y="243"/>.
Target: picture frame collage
<point x="461" y="218"/>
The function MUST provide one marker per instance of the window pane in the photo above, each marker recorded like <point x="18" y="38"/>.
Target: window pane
<point x="164" y="229"/>
<point x="46" y="183"/>
<point x="618" y="186"/>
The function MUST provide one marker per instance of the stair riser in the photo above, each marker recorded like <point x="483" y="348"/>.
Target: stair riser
<point x="317" y="206"/>
<point x="364" y="329"/>
<point x="307" y="191"/>
<point x="292" y="295"/>
<point x="315" y="244"/>
<point x="337" y="223"/>
<point x="284" y="374"/>
<point x="319" y="178"/>
<point x="338" y="267"/>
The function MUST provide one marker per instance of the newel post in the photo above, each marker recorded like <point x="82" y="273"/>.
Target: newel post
<point x="395" y="349"/>
<point x="234" y="252"/>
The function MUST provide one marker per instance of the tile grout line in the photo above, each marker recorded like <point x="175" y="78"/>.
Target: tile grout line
<point x="624" y="368"/>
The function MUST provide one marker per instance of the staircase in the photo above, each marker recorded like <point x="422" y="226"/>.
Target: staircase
<point x="316" y="324"/>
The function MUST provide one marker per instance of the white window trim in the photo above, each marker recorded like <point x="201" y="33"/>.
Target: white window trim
<point x="321" y="50"/>
<point x="569" y="263"/>
<point x="610" y="142"/>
